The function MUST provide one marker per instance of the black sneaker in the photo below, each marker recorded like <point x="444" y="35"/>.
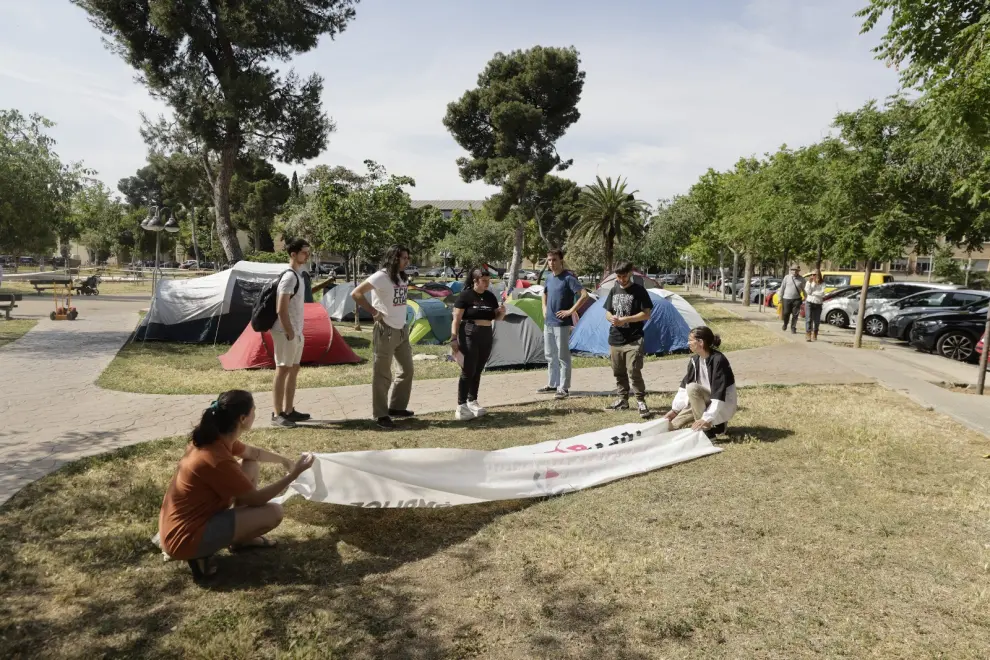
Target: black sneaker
<point x="400" y="413"/>
<point x="282" y="422"/>
<point x="618" y="404"/>
<point x="546" y="390"/>
<point x="297" y="416"/>
<point x="385" y="423"/>
<point x="561" y="394"/>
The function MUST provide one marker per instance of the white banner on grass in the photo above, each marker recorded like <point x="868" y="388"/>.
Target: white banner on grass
<point x="406" y="478"/>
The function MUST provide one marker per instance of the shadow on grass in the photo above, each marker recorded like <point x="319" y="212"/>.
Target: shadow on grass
<point x="495" y="419"/>
<point x="748" y="434"/>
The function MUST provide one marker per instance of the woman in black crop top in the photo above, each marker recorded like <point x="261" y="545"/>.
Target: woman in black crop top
<point x="474" y="312"/>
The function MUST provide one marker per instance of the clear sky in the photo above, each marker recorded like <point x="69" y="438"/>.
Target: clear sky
<point x="673" y="86"/>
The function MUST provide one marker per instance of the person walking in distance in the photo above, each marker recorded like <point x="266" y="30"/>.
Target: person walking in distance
<point x="627" y="309"/>
<point x="791" y="293"/>
<point x="814" y="292"/>
<point x="287" y="335"/>
<point x="390" y="339"/>
<point x="562" y="296"/>
<point x="475" y="310"/>
<point x="707" y="398"/>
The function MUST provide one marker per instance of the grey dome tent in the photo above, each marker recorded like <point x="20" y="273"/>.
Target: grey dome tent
<point x="518" y="342"/>
<point x="339" y="304"/>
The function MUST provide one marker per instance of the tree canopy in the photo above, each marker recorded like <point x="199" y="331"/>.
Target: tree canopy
<point x="212" y="62"/>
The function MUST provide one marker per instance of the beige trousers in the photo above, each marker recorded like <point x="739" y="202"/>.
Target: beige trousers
<point x="388" y="343"/>
<point x="699" y="399"/>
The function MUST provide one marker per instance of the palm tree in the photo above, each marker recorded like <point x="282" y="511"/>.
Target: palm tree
<point x="608" y="211"/>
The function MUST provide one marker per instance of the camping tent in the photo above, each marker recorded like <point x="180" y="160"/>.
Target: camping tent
<point x="533" y="308"/>
<point x="684" y="308"/>
<point x="209" y="309"/>
<point x="456" y="286"/>
<point x="339" y="304"/>
<point x="665" y="332"/>
<point x="429" y="321"/>
<point x="322" y="344"/>
<point x="637" y="277"/>
<point x="518" y="342"/>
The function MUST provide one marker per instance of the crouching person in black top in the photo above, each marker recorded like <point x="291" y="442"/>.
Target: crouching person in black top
<point x="474" y="312"/>
<point x="706" y="399"/>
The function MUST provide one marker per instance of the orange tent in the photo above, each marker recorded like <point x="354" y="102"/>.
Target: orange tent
<point x="322" y="344"/>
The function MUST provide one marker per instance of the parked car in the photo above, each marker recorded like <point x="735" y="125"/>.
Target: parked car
<point x="837" y="279"/>
<point x="27" y="261"/>
<point x="952" y="335"/>
<point x="412" y="271"/>
<point x="841" y="311"/>
<point x="670" y="278"/>
<point x="901" y="314"/>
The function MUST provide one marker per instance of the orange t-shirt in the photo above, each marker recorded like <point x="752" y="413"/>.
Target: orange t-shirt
<point x="206" y="482"/>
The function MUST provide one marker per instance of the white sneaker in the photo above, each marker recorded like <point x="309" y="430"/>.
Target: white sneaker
<point x="476" y="409"/>
<point x="463" y="413"/>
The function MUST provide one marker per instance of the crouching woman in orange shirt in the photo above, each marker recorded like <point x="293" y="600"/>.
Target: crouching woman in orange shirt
<point x="196" y="518"/>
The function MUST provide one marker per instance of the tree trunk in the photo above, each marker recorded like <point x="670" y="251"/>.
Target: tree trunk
<point x="221" y="200"/>
<point x="858" y="342"/>
<point x="517" y="249"/>
<point x="981" y="376"/>
<point x="735" y="274"/>
<point x="192" y="218"/>
<point x="787" y="253"/>
<point x="818" y="263"/>
<point x="721" y="273"/>
<point x="748" y="275"/>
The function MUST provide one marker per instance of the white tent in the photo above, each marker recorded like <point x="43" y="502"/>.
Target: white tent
<point x="212" y="308"/>
<point x="686" y="310"/>
<point x="339" y="304"/>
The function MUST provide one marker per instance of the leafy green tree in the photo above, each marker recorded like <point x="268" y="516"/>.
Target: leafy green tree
<point x="480" y="239"/>
<point x="674" y="223"/>
<point x="510" y="124"/>
<point x="361" y="219"/>
<point x="212" y="62"/>
<point x="36" y="187"/>
<point x="608" y="211"/>
<point x="257" y="195"/>
<point x="143" y="189"/>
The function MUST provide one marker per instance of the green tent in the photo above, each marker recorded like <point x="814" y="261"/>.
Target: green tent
<point x="429" y="321"/>
<point x="533" y="308"/>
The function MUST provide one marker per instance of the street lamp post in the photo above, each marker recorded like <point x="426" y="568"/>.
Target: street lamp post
<point x="154" y="223"/>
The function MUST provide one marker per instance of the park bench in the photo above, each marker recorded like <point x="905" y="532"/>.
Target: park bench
<point x="8" y="301"/>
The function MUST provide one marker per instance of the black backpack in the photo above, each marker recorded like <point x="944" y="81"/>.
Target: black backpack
<point x="265" y="310"/>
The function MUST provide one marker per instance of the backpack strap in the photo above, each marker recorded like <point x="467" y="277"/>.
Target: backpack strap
<point x="293" y="271"/>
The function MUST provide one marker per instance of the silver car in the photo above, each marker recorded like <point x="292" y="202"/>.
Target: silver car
<point x="841" y="311"/>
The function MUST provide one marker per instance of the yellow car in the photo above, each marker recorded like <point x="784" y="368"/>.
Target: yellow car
<point x="834" y="279"/>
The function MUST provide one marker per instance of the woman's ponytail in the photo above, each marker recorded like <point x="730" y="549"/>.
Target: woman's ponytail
<point x="222" y="417"/>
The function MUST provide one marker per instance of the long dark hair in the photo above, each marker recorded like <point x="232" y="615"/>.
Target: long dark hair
<point x="708" y="339"/>
<point x="222" y="417"/>
<point x="475" y="273"/>
<point x="390" y="263"/>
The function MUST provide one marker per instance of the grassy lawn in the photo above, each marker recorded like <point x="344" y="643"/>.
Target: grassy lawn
<point x="812" y="534"/>
<point x="14" y="329"/>
<point x="106" y="288"/>
<point x="157" y="368"/>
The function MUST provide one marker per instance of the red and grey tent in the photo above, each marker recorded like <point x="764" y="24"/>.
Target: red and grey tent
<point x="322" y="344"/>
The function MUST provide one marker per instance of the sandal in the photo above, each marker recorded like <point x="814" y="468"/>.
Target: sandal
<point x="259" y="543"/>
<point x="203" y="568"/>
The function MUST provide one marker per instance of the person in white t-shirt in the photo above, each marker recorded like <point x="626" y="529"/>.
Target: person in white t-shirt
<point x="388" y="288"/>
<point x="287" y="335"/>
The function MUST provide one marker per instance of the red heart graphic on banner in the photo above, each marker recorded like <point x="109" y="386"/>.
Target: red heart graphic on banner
<point x="551" y="474"/>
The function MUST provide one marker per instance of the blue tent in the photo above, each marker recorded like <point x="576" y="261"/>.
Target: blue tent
<point x="456" y="286"/>
<point x="665" y="332"/>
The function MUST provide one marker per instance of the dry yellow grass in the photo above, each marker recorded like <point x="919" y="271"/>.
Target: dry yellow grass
<point x="157" y="368"/>
<point x="839" y="521"/>
<point x="14" y="329"/>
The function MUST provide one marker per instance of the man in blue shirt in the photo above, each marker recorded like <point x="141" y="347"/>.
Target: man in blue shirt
<point x="562" y="296"/>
